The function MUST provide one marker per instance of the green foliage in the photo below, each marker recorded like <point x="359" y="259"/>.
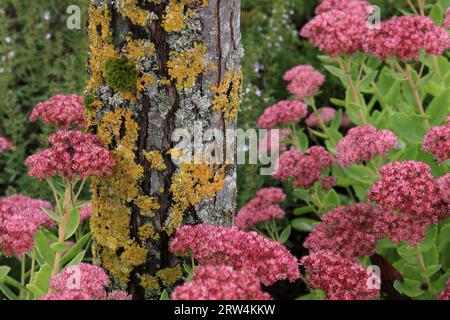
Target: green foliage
<point x="41" y="58"/>
<point x="120" y="74"/>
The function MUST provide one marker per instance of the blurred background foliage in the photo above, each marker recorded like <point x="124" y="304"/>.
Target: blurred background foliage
<point x="40" y="57"/>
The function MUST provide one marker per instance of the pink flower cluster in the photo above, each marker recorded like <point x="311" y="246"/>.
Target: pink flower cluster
<point x="445" y="295"/>
<point x="336" y="32"/>
<point x="304" y="81"/>
<point x="248" y="251"/>
<point x="409" y="195"/>
<point x="359" y="8"/>
<point x="62" y="111"/>
<point x="20" y="218"/>
<point x="405" y="37"/>
<point x="82" y="282"/>
<point x="351" y="231"/>
<point x="284" y="112"/>
<point x="306" y="169"/>
<point x="326" y="114"/>
<point x="446" y="23"/>
<point x="340" y="278"/>
<point x="437" y="142"/>
<point x="444" y="188"/>
<point x="85" y="212"/>
<point x="364" y="143"/>
<point x="262" y="208"/>
<point x="5" y="145"/>
<point x="220" y="283"/>
<point x="72" y="153"/>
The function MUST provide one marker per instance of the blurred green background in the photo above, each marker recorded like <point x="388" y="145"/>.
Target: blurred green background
<point x="40" y="57"/>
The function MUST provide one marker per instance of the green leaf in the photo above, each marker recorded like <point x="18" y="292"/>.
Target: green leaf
<point x="302" y="195"/>
<point x="408" y="127"/>
<point x="76" y="249"/>
<point x="4" y="270"/>
<point x="41" y="282"/>
<point x="411" y="288"/>
<point x="430" y="239"/>
<point x="337" y="72"/>
<point x="78" y="258"/>
<point x="72" y="223"/>
<point x="432" y="270"/>
<point x="52" y="215"/>
<point x="303" y="140"/>
<point x="303" y="210"/>
<point x="304" y="224"/>
<point x="60" y="247"/>
<point x="43" y="248"/>
<point x="164" y="295"/>
<point x="332" y="200"/>
<point x="313" y="295"/>
<point x="361" y="174"/>
<point x="439" y="108"/>
<point x="8" y="293"/>
<point x="437" y="14"/>
<point x="285" y="234"/>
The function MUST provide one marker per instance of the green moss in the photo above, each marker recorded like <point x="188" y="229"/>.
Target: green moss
<point x="120" y="74"/>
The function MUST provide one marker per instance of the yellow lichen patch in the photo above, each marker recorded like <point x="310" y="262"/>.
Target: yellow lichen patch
<point x="170" y="276"/>
<point x="137" y="49"/>
<point x="175" y="153"/>
<point x="192" y="184"/>
<point x="113" y="194"/>
<point x="175" y="19"/>
<point x="147" y="205"/>
<point x="156" y="160"/>
<point x="186" y="66"/>
<point x="149" y="283"/>
<point x="228" y="95"/>
<point x="143" y="81"/>
<point x="100" y="44"/>
<point x="147" y="231"/>
<point x="130" y="10"/>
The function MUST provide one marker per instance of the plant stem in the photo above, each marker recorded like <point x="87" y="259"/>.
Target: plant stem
<point x="423" y="270"/>
<point x="63" y="226"/>
<point x="22" y="275"/>
<point x="415" y="90"/>
<point x="345" y="65"/>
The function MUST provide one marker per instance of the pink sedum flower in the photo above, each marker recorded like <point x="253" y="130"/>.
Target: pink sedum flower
<point x="340" y="278"/>
<point x="262" y="208"/>
<point x="221" y="283"/>
<point x="71" y="153"/>
<point x="359" y="8"/>
<point x="305" y="169"/>
<point x="404" y="37"/>
<point x="336" y="32"/>
<point x="446" y="23"/>
<point x="409" y="195"/>
<point x="247" y="251"/>
<point x="5" y="145"/>
<point x="437" y="142"/>
<point x="85" y="212"/>
<point x="20" y="218"/>
<point x="350" y="231"/>
<point x="326" y="114"/>
<point x="444" y="188"/>
<point x="364" y="143"/>
<point x="445" y="295"/>
<point x="304" y="81"/>
<point x="67" y="295"/>
<point x="284" y="112"/>
<point x="62" y="111"/>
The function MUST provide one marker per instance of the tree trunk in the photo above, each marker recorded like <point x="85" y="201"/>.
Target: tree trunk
<point x="157" y="66"/>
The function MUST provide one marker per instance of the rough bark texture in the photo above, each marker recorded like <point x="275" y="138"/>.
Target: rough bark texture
<point x="159" y="65"/>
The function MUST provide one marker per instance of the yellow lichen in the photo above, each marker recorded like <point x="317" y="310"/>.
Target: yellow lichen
<point x="149" y="283"/>
<point x="186" y="66"/>
<point x="170" y="276"/>
<point x="228" y="95"/>
<point x="175" y="19"/>
<point x="131" y="10"/>
<point x="147" y="231"/>
<point x="143" y="81"/>
<point x="100" y="44"/>
<point x="137" y="49"/>
<point x="147" y="205"/>
<point x="156" y="160"/>
<point x="190" y="185"/>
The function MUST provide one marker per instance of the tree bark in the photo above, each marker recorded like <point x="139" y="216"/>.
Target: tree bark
<point x="157" y="66"/>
